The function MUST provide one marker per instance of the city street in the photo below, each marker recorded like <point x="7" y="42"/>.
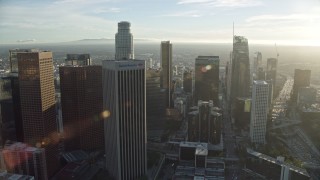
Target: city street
<point x="232" y="169"/>
<point x="299" y="144"/>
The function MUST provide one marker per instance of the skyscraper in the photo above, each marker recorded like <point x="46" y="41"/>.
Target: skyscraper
<point x="207" y="79"/>
<point x="166" y="68"/>
<point x="187" y="81"/>
<point x="301" y="79"/>
<point x="240" y="80"/>
<point x="261" y="74"/>
<point x="78" y="59"/>
<point x="204" y="124"/>
<point x="81" y="101"/>
<point x="155" y="96"/>
<point x="257" y="62"/>
<point x="242" y="112"/>
<point x="271" y="73"/>
<point x="38" y="104"/>
<point x="124" y="42"/>
<point x="13" y="58"/>
<point x="228" y="81"/>
<point x="10" y="109"/>
<point x="259" y="111"/>
<point x="19" y="158"/>
<point x="124" y="100"/>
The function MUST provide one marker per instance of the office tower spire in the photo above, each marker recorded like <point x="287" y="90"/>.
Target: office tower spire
<point x="124" y="100"/>
<point x="166" y="74"/>
<point x="124" y="42"/>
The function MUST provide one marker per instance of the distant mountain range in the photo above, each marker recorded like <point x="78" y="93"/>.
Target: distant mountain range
<point x="106" y="40"/>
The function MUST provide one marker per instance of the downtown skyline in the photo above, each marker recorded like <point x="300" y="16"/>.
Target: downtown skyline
<point x="263" y="22"/>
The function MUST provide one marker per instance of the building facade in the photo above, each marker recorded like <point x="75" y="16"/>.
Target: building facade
<point x="81" y="101"/>
<point x="19" y="158"/>
<point x="307" y="95"/>
<point x="271" y="168"/>
<point x="124" y="42"/>
<point x="240" y="67"/>
<point x="14" y="60"/>
<point x="301" y="79"/>
<point x="10" y="109"/>
<point x="37" y="95"/>
<point x="259" y="111"/>
<point x="271" y="73"/>
<point x="257" y="62"/>
<point x="78" y="59"/>
<point x="187" y="81"/>
<point x="124" y="102"/>
<point x="207" y="79"/>
<point x="166" y="71"/>
<point x="155" y="96"/>
<point x="204" y="124"/>
<point x="242" y="113"/>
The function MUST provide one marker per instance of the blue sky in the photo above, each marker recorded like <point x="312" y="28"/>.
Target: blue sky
<point x="282" y="21"/>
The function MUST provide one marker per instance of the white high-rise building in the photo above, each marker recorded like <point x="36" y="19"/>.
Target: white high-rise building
<point x="124" y="102"/>
<point x="259" y="111"/>
<point x="124" y="42"/>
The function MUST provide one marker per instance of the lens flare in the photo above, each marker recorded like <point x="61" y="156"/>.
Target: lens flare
<point x="38" y="145"/>
<point x="106" y="114"/>
<point x="208" y="67"/>
<point x="203" y="69"/>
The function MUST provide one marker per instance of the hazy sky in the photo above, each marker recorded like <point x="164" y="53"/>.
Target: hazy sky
<point x="261" y="21"/>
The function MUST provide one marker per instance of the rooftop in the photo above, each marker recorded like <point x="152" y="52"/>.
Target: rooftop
<point x="205" y="59"/>
<point x="275" y="161"/>
<point x="201" y="151"/>
<point x="19" y="146"/>
<point x="239" y="39"/>
<point x="73" y="156"/>
<point x="8" y="176"/>
<point x="193" y="144"/>
<point x="78" y="171"/>
<point x="260" y="82"/>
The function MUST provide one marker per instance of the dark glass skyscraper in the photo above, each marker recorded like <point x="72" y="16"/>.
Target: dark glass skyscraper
<point x="207" y="79"/>
<point x="204" y="124"/>
<point x="301" y="79"/>
<point x="81" y="101"/>
<point x="166" y="71"/>
<point x="187" y="81"/>
<point x="240" y="67"/>
<point x="155" y="96"/>
<point x="10" y="109"/>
